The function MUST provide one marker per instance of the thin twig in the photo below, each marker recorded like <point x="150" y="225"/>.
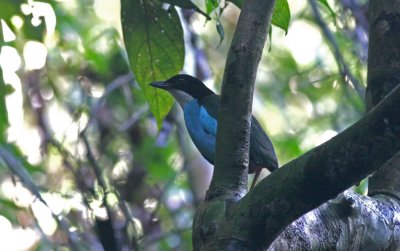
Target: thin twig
<point x="100" y="179"/>
<point x="17" y="168"/>
<point x="342" y="65"/>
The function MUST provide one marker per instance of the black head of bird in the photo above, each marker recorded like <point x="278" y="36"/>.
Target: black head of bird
<point x="200" y="106"/>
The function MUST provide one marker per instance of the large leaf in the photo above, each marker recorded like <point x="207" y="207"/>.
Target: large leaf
<point x="3" y="108"/>
<point x="281" y="15"/>
<point x="8" y="8"/>
<point x="154" y="41"/>
<point x="211" y="5"/>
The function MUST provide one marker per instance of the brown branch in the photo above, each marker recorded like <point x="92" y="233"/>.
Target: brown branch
<point x="321" y="174"/>
<point x="232" y="153"/>
<point x="212" y="230"/>
<point x="383" y="76"/>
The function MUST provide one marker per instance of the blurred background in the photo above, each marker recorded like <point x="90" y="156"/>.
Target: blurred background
<point x="83" y="165"/>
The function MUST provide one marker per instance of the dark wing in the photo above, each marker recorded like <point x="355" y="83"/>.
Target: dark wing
<point x="262" y="153"/>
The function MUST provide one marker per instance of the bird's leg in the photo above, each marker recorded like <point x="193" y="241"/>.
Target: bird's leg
<point x="257" y="173"/>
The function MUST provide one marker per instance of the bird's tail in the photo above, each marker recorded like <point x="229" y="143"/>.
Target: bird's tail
<point x="256" y="174"/>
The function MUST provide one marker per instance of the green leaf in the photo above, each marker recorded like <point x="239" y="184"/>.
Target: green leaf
<point x="3" y="108"/>
<point x="281" y="15"/>
<point x="154" y="42"/>
<point x="8" y="8"/>
<point x="186" y="4"/>
<point x="221" y="32"/>
<point x="333" y="14"/>
<point x="211" y="5"/>
<point x="270" y="38"/>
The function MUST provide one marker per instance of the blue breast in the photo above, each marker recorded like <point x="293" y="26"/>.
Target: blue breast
<point x="202" y="129"/>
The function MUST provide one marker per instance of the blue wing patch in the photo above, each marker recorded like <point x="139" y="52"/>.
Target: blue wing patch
<point x="202" y="129"/>
<point x="208" y="122"/>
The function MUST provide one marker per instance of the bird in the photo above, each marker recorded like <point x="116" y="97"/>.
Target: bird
<point x="200" y="107"/>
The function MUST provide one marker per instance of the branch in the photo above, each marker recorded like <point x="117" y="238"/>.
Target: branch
<point x="321" y="174"/>
<point x="349" y="222"/>
<point x="229" y="182"/>
<point x="342" y="65"/>
<point x="232" y="153"/>
<point x="19" y="170"/>
<point x="383" y="76"/>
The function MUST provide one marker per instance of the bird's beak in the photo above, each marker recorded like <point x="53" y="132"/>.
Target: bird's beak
<point x="160" y="84"/>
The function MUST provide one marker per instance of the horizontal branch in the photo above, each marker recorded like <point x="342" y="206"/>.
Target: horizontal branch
<point x="349" y="222"/>
<point x="321" y="174"/>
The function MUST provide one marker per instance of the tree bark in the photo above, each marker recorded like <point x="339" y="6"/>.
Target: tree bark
<point x="383" y="76"/>
<point x="229" y="182"/>
<point x="229" y="221"/>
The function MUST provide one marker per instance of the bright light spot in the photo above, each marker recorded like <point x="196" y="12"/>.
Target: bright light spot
<point x="76" y="203"/>
<point x="97" y="91"/>
<point x="29" y="140"/>
<point x="326" y="106"/>
<point x="313" y="139"/>
<point x="303" y="41"/>
<point x="17" y="193"/>
<point x="10" y="238"/>
<point x="310" y="217"/>
<point x="176" y="161"/>
<point x="120" y="169"/>
<point x="44" y="217"/>
<point x="135" y="227"/>
<point x="109" y="11"/>
<point x="35" y="54"/>
<point x="70" y="4"/>
<point x="41" y="10"/>
<point x="47" y="93"/>
<point x="9" y="60"/>
<point x="100" y="212"/>
<point x="57" y="203"/>
<point x="112" y="199"/>
<point x="63" y="121"/>
<point x="198" y="25"/>
<point x="150" y="204"/>
<point x="175" y="199"/>
<point x="325" y="136"/>
<point x="8" y="35"/>
<point x="17" y="21"/>
<point x="5" y="226"/>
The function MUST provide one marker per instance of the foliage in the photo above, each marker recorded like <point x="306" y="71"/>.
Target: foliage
<point x="76" y="128"/>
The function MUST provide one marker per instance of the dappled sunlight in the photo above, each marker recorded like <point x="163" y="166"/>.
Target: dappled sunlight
<point x="82" y="136"/>
<point x="314" y="139"/>
<point x="44" y="217"/>
<point x="39" y="11"/>
<point x="17" y="193"/>
<point x="11" y="237"/>
<point x="304" y="42"/>
<point x="35" y="55"/>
